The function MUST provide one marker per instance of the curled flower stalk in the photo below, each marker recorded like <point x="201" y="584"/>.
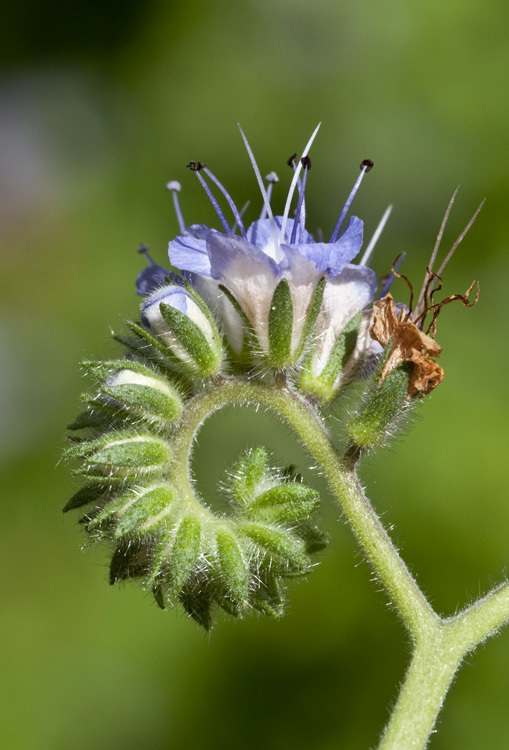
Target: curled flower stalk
<point x="266" y="314"/>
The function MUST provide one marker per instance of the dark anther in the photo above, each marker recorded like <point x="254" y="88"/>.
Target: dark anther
<point x="291" y="160"/>
<point x="195" y="166"/>
<point x="367" y="165"/>
<point x="142" y="248"/>
<point x="306" y="162"/>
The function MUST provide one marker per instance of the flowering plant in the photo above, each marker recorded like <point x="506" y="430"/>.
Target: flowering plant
<point x="267" y="315"/>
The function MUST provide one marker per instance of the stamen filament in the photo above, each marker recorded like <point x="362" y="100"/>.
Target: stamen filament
<point x="278" y="255"/>
<point x="366" y="165"/>
<point x="241" y="212"/>
<point x="236" y="214"/>
<point x="294" y="183"/>
<point x="378" y="231"/>
<point x="195" y="167"/>
<point x="300" y="203"/>
<point x="271" y="178"/>
<point x="175" y="188"/>
<point x="143" y="250"/>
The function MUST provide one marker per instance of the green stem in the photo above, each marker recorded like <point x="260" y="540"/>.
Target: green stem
<point x="439" y="644"/>
<point x="409" y="600"/>
<point x="434" y="662"/>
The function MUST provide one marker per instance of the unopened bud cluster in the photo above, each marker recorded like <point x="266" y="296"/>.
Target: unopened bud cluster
<point x="161" y="533"/>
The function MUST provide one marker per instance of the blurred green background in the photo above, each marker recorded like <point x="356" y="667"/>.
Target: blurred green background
<point x="100" y="105"/>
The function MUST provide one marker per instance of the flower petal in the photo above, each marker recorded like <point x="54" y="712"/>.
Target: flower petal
<point x="332" y="257"/>
<point x="249" y="274"/>
<point x="344" y="296"/>
<point x="151" y="278"/>
<point x="189" y="251"/>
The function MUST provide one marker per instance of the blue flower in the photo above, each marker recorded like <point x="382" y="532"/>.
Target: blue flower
<point x="251" y="262"/>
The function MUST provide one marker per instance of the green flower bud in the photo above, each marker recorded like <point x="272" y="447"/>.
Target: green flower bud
<point x="232" y="568"/>
<point x="184" y="328"/>
<point x="288" y="502"/>
<point x="250" y="475"/>
<point x="185" y="552"/>
<point x="324" y="379"/>
<point x="142" y="395"/>
<point x="383" y="404"/>
<point x="123" y="454"/>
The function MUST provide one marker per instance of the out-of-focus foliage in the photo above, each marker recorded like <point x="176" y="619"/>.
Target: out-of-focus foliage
<point x="98" y="109"/>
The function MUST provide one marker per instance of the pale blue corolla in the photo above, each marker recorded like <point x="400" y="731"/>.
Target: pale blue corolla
<point x="251" y="262"/>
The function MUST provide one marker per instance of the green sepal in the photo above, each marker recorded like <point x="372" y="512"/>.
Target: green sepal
<point x="156" y="345"/>
<point x="287" y="502"/>
<point x="97" y="419"/>
<point x="196" y="598"/>
<point x="91" y="493"/>
<point x="249" y="475"/>
<point x="383" y="404"/>
<point x="251" y="345"/>
<point x="285" y="551"/>
<point x="185" y="552"/>
<point x="146" y="402"/>
<point x="159" y="560"/>
<point x="325" y="386"/>
<point x="148" y="511"/>
<point x="112" y="509"/>
<point x="281" y="326"/>
<point x="309" y="326"/>
<point x="268" y="597"/>
<point x="159" y="597"/>
<point x="205" y="361"/>
<point x="155" y="353"/>
<point x="233" y="574"/>
<point x="130" y="560"/>
<point x="315" y="540"/>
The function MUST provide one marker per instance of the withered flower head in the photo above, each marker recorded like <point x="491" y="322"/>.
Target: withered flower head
<point x="405" y="331"/>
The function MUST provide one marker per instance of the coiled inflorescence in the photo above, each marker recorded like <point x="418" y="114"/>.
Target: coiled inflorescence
<point x="269" y="305"/>
<point x="161" y="532"/>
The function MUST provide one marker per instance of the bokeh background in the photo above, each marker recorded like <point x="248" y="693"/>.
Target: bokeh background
<point x="100" y="105"/>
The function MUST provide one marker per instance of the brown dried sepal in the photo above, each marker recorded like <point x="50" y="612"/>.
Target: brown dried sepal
<point x="408" y="344"/>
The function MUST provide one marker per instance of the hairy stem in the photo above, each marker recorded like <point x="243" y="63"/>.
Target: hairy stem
<point x="438" y="644"/>
<point x="406" y="595"/>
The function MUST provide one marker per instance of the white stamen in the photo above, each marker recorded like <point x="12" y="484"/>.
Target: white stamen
<point x="294" y="183"/>
<point x="378" y="231"/>
<point x="278" y="255"/>
<point x="175" y="187"/>
<point x="271" y="178"/>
